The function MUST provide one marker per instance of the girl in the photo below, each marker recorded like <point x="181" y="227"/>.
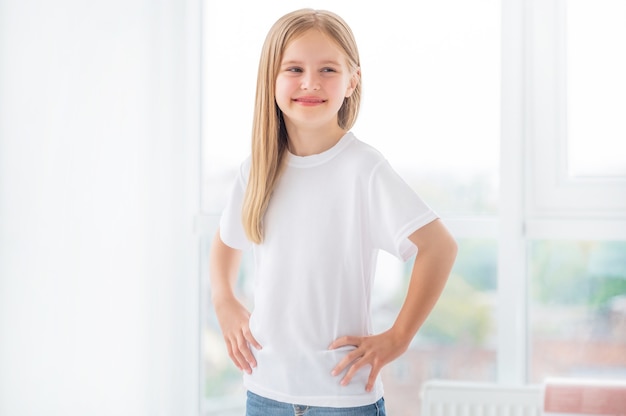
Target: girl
<point x="315" y="204"/>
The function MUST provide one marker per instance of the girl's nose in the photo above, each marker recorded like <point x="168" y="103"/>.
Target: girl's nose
<point x="310" y="82"/>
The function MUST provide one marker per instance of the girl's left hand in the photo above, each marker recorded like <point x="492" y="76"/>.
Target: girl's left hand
<point x="375" y="351"/>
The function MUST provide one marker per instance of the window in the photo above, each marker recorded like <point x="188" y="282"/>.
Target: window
<point x="575" y="123"/>
<point x="482" y="106"/>
<point x="575" y="226"/>
<point x="578" y="309"/>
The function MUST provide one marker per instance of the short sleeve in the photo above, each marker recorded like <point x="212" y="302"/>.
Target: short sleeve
<point x="231" y="225"/>
<point x="396" y="211"/>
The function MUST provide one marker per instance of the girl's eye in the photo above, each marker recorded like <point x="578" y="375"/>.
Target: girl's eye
<point x="328" y="70"/>
<point x="294" y="69"/>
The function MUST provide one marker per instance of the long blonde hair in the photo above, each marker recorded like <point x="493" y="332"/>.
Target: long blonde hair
<point x="269" y="135"/>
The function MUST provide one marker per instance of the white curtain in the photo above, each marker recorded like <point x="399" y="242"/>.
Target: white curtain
<point x="98" y="190"/>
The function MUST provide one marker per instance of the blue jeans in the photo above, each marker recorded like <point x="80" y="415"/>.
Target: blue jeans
<point x="260" y="406"/>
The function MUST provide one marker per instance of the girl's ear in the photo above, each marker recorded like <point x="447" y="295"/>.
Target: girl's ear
<point x="354" y="81"/>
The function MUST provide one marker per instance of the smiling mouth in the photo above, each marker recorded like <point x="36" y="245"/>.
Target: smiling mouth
<point x="309" y="100"/>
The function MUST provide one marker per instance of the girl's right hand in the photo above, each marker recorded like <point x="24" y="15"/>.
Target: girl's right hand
<point x="234" y="320"/>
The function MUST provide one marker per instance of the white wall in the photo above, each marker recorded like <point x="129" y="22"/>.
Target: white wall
<point x="98" y="189"/>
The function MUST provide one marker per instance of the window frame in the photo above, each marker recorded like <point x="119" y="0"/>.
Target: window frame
<point x="551" y="191"/>
<point x="538" y="198"/>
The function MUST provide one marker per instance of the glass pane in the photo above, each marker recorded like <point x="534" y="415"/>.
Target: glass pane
<point x="596" y="87"/>
<point x="432" y="100"/>
<point x="578" y="309"/>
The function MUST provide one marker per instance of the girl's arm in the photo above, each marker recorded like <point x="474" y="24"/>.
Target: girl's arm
<point x="233" y="317"/>
<point x="436" y="253"/>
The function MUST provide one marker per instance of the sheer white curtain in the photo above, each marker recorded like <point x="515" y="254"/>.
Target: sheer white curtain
<point x="98" y="188"/>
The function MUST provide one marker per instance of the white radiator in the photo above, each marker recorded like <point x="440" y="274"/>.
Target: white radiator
<point x="449" y="398"/>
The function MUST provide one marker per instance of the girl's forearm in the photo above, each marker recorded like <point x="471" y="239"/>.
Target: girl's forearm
<point x="224" y="264"/>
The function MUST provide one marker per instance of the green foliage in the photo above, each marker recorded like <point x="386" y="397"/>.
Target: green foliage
<point x="606" y="289"/>
<point x="577" y="273"/>
<point x="463" y="314"/>
<point x="476" y="262"/>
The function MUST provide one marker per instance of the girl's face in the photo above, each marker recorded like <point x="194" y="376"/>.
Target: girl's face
<point x="312" y="82"/>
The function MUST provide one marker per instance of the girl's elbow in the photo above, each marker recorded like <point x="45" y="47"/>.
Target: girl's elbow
<point x="448" y="247"/>
<point x="453" y="246"/>
<point x="447" y="242"/>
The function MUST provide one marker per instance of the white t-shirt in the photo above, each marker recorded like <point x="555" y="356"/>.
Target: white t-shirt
<point x="329" y="215"/>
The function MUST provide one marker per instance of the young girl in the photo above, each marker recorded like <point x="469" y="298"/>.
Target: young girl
<point x="315" y="205"/>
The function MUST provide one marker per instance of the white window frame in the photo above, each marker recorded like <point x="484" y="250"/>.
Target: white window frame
<point x="539" y="200"/>
<point x="512" y="300"/>
<point x="551" y="191"/>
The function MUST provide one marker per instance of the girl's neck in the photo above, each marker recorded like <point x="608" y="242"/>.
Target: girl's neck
<point x="307" y="142"/>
